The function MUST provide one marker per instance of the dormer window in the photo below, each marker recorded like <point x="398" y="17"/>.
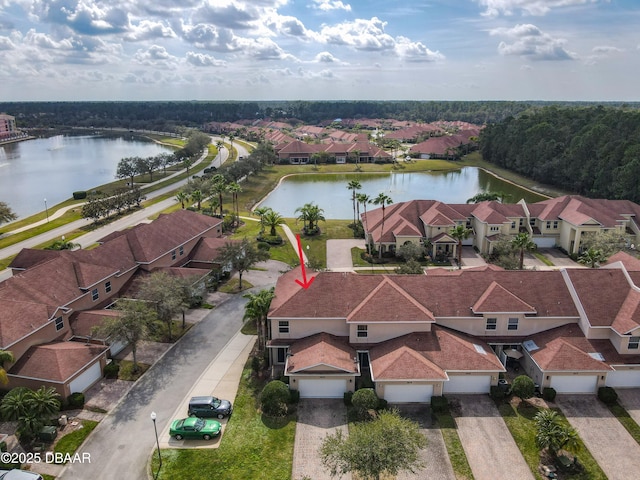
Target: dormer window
<point x="634" y="342"/>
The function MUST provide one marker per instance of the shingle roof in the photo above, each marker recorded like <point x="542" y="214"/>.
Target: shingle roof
<point x="496" y="299"/>
<point x="322" y="352"/>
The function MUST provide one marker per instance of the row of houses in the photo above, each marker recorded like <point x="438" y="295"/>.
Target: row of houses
<point x="53" y="299"/>
<point x="453" y="332"/>
<point x="557" y="222"/>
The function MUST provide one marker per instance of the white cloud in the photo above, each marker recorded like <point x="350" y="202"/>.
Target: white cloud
<point x="6" y="44"/>
<point x="87" y="18"/>
<point x="530" y="42"/>
<point x="416" y="51"/>
<point x="360" y="34"/>
<point x="530" y="7"/>
<point x="203" y="60"/>
<point x="148" y="30"/>
<point x="155" y="56"/>
<point x="605" y="49"/>
<point x="325" y="57"/>
<point x="327" y="5"/>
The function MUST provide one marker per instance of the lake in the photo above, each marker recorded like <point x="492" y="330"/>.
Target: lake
<point x="53" y="168"/>
<point x="331" y="194"/>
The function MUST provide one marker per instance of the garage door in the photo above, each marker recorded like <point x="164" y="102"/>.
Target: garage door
<point x="322" y="388"/>
<point x="408" y="393"/>
<point x="468" y="384"/>
<point x="624" y="378"/>
<point x="86" y="379"/>
<point x="545" y="242"/>
<point x="574" y="383"/>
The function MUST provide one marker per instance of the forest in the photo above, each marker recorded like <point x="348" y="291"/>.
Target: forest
<point x="592" y="151"/>
<point x="167" y="116"/>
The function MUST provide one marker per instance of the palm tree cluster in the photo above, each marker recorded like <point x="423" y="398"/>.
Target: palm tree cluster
<point x="256" y="309"/>
<point x="268" y="218"/>
<point x="31" y="408"/>
<point x="310" y="214"/>
<point x="553" y="434"/>
<point x="200" y="189"/>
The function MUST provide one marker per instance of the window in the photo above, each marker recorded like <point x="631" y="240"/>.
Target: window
<point x="107" y="287"/>
<point x="548" y="224"/>
<point x="532" y="222"/>
<point x="555" y="224"/>
<point x="633" y="343"/>
<point x="281" y="352"/>
<point x="181" y="250"/>
<point x="513" y="324"/>
<point x="362" y="331"/>
<point x="94" y="294"/>
<point x="513" y="224"/>
<point x="173" y="255"/>
<point x="521" y="221"/>
<point x="492" y="324"/>
<point x="494" y="228"/>
<point x="283" y="326"/>
<point x="59" y="323"/>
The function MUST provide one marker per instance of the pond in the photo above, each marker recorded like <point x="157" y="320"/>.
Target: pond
<point x="330" y="191"/>
<point x="53" y="168"/>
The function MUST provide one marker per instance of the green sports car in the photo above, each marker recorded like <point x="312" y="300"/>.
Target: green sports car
<point x="193" y="427"/>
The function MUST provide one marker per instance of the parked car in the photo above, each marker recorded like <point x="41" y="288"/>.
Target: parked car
<point x="193" y="427"/>
<point x="18" y="475"/>
<point x="208" y="406"/>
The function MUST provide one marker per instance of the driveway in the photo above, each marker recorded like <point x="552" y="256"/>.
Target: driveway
<point x="611" y="445"/>
<point x="339" y="253"/>
<point x="435" y="455"/>
<point x="629" y="398"/>
<point x="470" y="258"/>
<point x="490" y="448"/>
<point x="317" y="418"/>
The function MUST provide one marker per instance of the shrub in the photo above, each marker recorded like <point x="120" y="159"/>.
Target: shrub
<point x="347" y="397"/>
<point x="111" y="370"/>
<point x="523" y="387"/>
<point x="3" y="446"/>
<point x="257" y="363"/>
<point x="263" y="246"/>
<point x="365" y="399"/>
<point x="76" y="400"/>
<point x="382" y="404"/>
<point x="294" y="396"/>
<point x="271" y="239"/>
<point x="439" y="404"/>
<point x="607" y="395"/>
<point x="274" y="398"/>
<point x="496" y="392"/>
<point x="79" y="195"/>
<point x="549" y="394"/>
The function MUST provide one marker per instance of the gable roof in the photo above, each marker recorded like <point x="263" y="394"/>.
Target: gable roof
<point x="497" y="299"/>
<point x="321" y="352"/>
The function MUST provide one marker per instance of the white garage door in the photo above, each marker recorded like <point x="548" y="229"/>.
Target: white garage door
<point x="545" y="242"/>
<point x="624" y="378"/>
<point x="322" y="388"/>
<point x="408" y="393"/>
<point x="86" y="379"/>
<point x="116" y="348"/>
<point x="574" y="383"/>
<point x="468" y="384"/>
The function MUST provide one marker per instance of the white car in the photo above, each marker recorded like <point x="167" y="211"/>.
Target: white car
<point x="18" y="475"/>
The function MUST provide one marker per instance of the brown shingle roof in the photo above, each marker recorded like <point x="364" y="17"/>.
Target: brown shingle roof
<point x="496" y="299"/>
<point x="322" y="352"/>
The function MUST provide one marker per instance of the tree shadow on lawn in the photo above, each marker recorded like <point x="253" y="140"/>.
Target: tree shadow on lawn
<point x="276" y="423"/>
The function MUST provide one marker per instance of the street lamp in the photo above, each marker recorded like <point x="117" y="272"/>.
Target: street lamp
<point x="46" y="209"/>
<point x="153" y="419"/>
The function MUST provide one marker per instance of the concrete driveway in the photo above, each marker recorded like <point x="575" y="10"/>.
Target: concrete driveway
<point x="629" y="398"/>
<point x="339" y="253"/>
<point x="611" y="445"/>
<point x="317" y="418"/>
<point x="490" y="448"/>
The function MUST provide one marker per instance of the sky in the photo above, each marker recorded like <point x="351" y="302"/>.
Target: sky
<point x="555" y="50"/>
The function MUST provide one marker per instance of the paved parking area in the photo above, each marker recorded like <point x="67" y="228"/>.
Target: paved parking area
<point x="339" y="253"/>
<point x="490" y="448"/>
<point x="611" y="445"/>
<point x="317" y="418"/>
<point x="629" y="398"/>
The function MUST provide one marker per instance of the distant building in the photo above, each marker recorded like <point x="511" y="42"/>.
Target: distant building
<point x="7" y="126"/>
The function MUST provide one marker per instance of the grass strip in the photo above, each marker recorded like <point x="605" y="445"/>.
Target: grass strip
<point x="458" y="457"/>
<point x="625" y="419"/>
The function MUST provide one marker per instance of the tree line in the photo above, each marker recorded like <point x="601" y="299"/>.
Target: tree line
<point x="592" y="151"/>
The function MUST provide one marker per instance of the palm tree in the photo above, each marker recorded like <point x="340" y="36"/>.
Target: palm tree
<point x="5" y="357"/>
<point x="382" y="199"/>
<point x="182" y="197"/>
<point x="235" y="188"/>
<point x="354" y="185"/>
<point x="63" y="244"/>
<point x="15" y="403"/>
<point x="219" y="145"/>
<point x="460" y="233"/>
<point x="219" y="187"/>
<point x="272" y="219"/>
<point x="231" y="139"/>
<point x="552" y="434"/>
<point x="256" y="309"/>
<point x="592" y="257"/>
<point x="6" y="214"/>
<point x="44" y="402"/>
<point x="485" y="196"/>
<point x="523" y="242"/>
<point x="197" y="197"/>
<point x="310" y="215"/>
<point x="364" y="199"/>
<point x="260" y="212"/>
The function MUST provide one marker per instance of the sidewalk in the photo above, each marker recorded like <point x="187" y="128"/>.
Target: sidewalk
<point x="220" y="379"/>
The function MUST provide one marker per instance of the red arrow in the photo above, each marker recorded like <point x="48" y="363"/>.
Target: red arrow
<point x="304" y="283"/>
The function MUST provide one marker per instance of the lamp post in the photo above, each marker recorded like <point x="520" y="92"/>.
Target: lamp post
<point x="46" y="210"/>
<point x="153" y="419"/>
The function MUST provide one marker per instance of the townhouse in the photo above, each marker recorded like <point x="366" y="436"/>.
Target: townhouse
<point x="446" y="332"/>
<point x="54" y="298"/>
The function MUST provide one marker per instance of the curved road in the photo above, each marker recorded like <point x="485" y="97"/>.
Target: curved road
<point x="129" y="220"/>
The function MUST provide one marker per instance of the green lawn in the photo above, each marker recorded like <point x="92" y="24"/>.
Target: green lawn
<point x="252" y="447"/>
<point x="461" y="467"/>
<point x="70" y="442"/>
<point x="520" y="422"/>
<point x="625" y="419"/>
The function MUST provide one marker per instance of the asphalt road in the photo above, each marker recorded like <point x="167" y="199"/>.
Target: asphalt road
<point x="122" y="443"/>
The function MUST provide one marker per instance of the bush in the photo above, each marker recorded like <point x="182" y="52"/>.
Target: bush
<point x="382" y="404"/>
<point x="347" y="397"/>
<point x="79" y="195"/>
<point x="111" y="370"/>
<point x="257" y="364"/>
<point x="365" y="399"/>
<point x="439" y="404"/>
<point x="549" y="394"/>
<point x="274" y="398"/>
<point x="294" y="396"/>
<point x="3" y="446"/>
<point x="607" y="395"/>
<point x="496" y="392"/>
<point x="270" y="239"/>
<point x="76" y="400"/>
<point x="263" y="246"/>
<point x="523" y="387"/>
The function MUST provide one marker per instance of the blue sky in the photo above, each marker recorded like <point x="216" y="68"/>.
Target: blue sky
<point x="319" y="50"/>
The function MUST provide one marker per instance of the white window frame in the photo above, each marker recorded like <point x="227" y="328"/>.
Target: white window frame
<point x="95" y="295"/>
<point x="513" y="323"/>
<point x="283" y="326"/>
<point x="492" y="323"/>
<point x="362" y="331"/>
<point x="107" y="287"/>
<point x="634" y="343"/>
<point x="59" y="323"/>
